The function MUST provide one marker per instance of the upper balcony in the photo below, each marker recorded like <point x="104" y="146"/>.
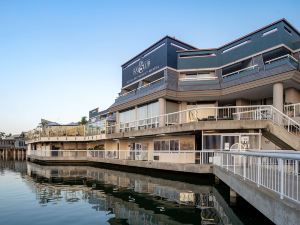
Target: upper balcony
<point x="143" y="90"/>
<point x="165" y="79"/>
<point x="268" y="64"/>
<point x="198" y="80"/>
<point x="63" y="133"/>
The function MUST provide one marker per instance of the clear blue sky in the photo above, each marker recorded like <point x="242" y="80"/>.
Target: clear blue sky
<point x="59" y="59"/>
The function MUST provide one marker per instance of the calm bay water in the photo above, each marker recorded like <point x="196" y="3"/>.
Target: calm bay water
<point x="37" y="195"/>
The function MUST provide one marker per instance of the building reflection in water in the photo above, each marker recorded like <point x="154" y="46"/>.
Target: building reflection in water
<point x="131" y="198"/>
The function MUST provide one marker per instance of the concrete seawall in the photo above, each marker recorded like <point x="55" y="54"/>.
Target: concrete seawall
<point x="279" y="211"/>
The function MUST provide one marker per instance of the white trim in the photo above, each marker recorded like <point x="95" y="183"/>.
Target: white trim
<point x="197" y="78"/>
<point x="153" y="50"/>
<point x="297" y="50"/>
<point x="135" y="61"/>
<point x="177" y="46"/>
<point x="269" y="32"/>
<point x="198" y="56"/>
<point x="230" y="134"/>
<point x="198" y="69"/>
<point x="148" y="53"/>
<point x="236" y="46"/>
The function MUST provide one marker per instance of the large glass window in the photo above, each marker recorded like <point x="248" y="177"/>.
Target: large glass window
<point x="127" y="116"/>
<point x="148" y="111"/>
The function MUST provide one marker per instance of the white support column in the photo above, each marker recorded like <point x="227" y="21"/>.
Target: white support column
<point x="278" y="96"/>
<point x="162" y="111"/>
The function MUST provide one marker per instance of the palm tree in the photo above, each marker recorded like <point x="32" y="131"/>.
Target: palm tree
<point x="83" y="120"/>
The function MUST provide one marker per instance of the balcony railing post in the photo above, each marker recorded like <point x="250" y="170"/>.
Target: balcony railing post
<point x="227" y="161"/>
<point x="233" y="162"/>
<point x="179" y="117"/>
<point x="280" y="164"/>
<point x="258" y="171"/>
<point x="244" y="166"/>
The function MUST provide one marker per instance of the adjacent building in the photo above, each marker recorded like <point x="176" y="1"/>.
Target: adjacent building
<point x="13" y="147"/>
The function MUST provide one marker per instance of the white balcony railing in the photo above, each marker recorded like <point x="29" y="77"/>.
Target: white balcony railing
<point x="255" y="112"/>
<point x="278" y="172"/>
<point x="292" y="110"/>
<point x="259" y="112"/>
<point x="240" y="71"/>
<point x="142" y="87"/>
<point x="169" y="156"/>
<point x="63" y="154"/>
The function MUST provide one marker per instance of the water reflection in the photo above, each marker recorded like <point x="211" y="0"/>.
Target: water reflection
<point x="138" y="199"/>
<point x="126" y="198"/>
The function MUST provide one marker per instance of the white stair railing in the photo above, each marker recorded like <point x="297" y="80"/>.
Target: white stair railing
<point x="292" y="110"/>
<point x="285" y="121"/>
<point x="269" y="112"/>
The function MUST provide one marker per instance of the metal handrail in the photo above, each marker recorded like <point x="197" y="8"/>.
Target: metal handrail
<point x="278" y="172"/>
<point x="238" y="71"/>
<point x="146" y="85"/>
<point x="281" y="57"/>
<point x="260" y="112"/>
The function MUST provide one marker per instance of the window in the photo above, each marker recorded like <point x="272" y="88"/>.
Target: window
<point x="148" y="111"/>
<point x="201" y="75"/>
<point x="197" y="55"/>
<point x="288" y="30"/>
<point x="127" y="116"/>
<point x="166" y="145"/>
<point x="174" y="145"/>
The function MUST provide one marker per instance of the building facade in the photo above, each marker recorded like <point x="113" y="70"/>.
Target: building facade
<point x="13" y="147"/>
<point x="244" y="95"/>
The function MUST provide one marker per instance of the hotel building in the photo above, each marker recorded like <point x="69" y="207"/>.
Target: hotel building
<point x="244" y="95"/>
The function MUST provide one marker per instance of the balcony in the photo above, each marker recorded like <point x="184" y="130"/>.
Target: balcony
<point x="149" y="88"/>
<point x="198" y="81"/>
<point x="280" y="61"/>
<point x="242" y="72"/>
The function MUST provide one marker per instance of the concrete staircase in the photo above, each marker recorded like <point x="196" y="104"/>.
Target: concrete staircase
<point x="280" y="137"/>
<point x="284" y="131"/>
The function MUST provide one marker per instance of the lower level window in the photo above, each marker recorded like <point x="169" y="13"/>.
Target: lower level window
<point x="166" y="145"/>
